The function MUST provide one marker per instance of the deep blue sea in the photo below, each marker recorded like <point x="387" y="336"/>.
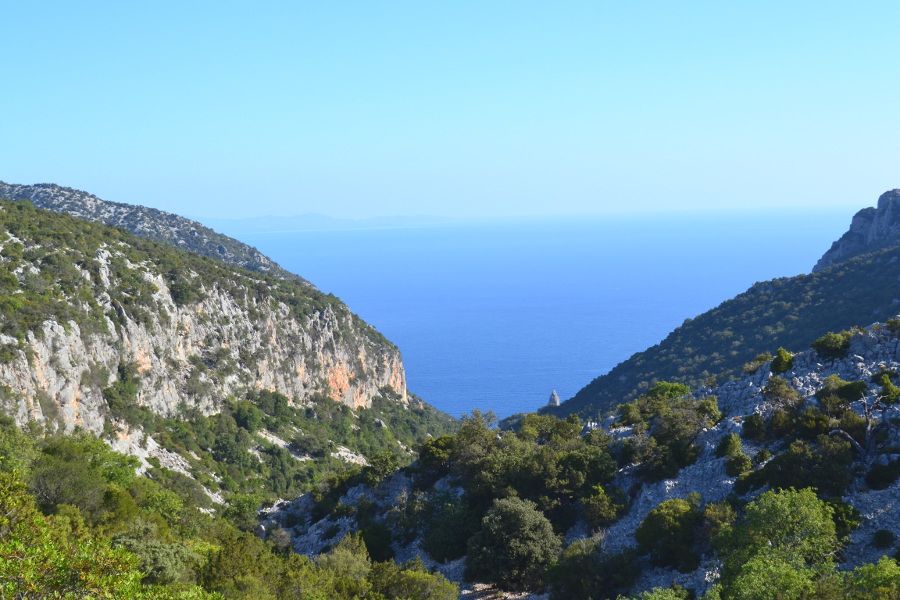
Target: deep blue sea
<point x="496" y="315"/>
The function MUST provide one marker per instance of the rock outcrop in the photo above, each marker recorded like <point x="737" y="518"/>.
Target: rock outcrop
<point x="103" y="305"/>
<point x="871" y="229"/>
<point x="150" y="223"/>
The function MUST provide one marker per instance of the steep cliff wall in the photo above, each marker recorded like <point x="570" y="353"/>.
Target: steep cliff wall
<point x="871" y="229"/>
<point x="79" y="300"/>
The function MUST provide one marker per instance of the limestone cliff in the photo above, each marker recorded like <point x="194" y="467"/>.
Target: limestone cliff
<point x="81" y="302"/>
<point x="871" y="229"/>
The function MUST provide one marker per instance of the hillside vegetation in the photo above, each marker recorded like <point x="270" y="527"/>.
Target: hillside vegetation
<point x="153" y="224"/>
<point x="788" y="312"/>
<point x="774" y="486"/>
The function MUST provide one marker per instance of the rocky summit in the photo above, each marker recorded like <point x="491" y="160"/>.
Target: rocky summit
<point x="871" y="229"/>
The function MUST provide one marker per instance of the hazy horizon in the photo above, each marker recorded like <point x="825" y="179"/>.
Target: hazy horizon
<point x="474" y="110"/>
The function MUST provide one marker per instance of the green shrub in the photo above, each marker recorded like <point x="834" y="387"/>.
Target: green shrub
<point x="729" y="445"/>
<point x="782" y="362"/>
<point x="448" y="528"/>
<point x="737" y="464"/>
<point x="601" y="509"/>
<point x="783" y="422"/>
<point x="846" y="517"/>
<point x="845" y="390"/>
<point x="582" y="572"/>
<point x="762" y="456"/>
<point x="890" y="393"/>
<point x="514" y="547"/>
<point x="833" y="345"/>
<point x="377" y="538"/>
<point x="754" y="427"/>
<point x="881" y="477"/>
<point x="779" y="391"/>
<point x="753" y="366"/>
<point x="824" y="465"/>
<point x="883" y="539"/>
<point x="668" y="534"/>
<point x="717" y="516"/>
<point x="812" y="424"/>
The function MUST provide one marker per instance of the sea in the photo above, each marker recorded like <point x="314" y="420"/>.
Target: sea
<point x="495" y="315"/>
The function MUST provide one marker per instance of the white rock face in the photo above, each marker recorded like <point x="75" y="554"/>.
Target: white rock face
<point x="195" y="356"/>
<point x="871" y="229"/>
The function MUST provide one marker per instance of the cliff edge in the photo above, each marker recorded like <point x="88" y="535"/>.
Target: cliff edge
<point x="871" y="229"/>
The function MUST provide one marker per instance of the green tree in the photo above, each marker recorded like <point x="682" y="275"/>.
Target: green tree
<point x="783" y="541"/>
<point x="514" y="546"/>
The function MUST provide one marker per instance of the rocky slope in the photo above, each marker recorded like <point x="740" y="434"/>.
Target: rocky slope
<point x="854" y="283"/>
<point x="872" y="351"/>
<point x="146" y="222"/>
<point x="871" y="229"/>
<point x="86" y="308"/>
<point x="875" y="350"/>
<point x="789" y="312"/>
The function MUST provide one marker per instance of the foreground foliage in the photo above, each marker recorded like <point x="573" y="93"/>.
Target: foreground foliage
<point x="77" y="522"/>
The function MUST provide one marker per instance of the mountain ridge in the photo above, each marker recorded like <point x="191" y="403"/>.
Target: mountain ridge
<point x="872" y="229"/>
<point x="790" y="312"/>
<point x="150" y="223"/>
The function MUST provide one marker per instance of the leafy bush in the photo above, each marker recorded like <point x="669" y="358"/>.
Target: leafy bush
<point x="881" y="477"/>
<point x="812" y="424"/>
<point x="602" y="509"/>
<point x="846" y="517"/>
<point x="753" y="366"/>
<point x="782" y="362"/>
<point x="738" y="463"/>
<point x="781" y="534"/>
<point x="779" y="391"/>
<point x="717" y="516"/>
<point x="754" y="427"/>
<point x="762" y="456"/>
<point x="582" y="572"/>
<point x="890" y="393"/>
<point x="514" y="547"/>
<point x="823" y="466"/>
<point x="728" y="445"/>
<point x="833" y="345"/>
<point x="448" y="528"/>
<point x="668" y="534"/>
<point x="883" y="539"/>
<point x="845" y="390"/>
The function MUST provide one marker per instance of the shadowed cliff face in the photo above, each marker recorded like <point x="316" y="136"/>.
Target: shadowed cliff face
<point x="82" y="303"/>
<point x="871" y="229"/>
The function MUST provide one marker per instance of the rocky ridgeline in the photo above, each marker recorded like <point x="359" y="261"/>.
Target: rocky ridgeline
<point x="150" y="223"/>
<point x="871" y="229"/>
<point x="871" y="350"/>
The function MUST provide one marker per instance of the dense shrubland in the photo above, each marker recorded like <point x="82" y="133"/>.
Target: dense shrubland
<point x="77" y="522"/>
<point x="789" y="312"/>
<point x="513" y="483"/>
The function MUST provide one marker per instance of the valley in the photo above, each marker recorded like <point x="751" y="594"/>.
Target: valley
<point x="178" y="425"/>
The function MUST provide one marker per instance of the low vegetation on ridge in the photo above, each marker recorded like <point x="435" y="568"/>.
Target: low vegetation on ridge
<point x="790" y="312"/>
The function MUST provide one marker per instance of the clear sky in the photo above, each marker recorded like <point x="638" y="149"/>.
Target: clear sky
<point x="462" y="108"/>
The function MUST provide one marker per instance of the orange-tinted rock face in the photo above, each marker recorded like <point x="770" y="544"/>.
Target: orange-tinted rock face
<point x="196" y="358"/>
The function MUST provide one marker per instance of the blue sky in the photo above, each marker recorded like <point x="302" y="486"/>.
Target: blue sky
<point x="360" y="109"/>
